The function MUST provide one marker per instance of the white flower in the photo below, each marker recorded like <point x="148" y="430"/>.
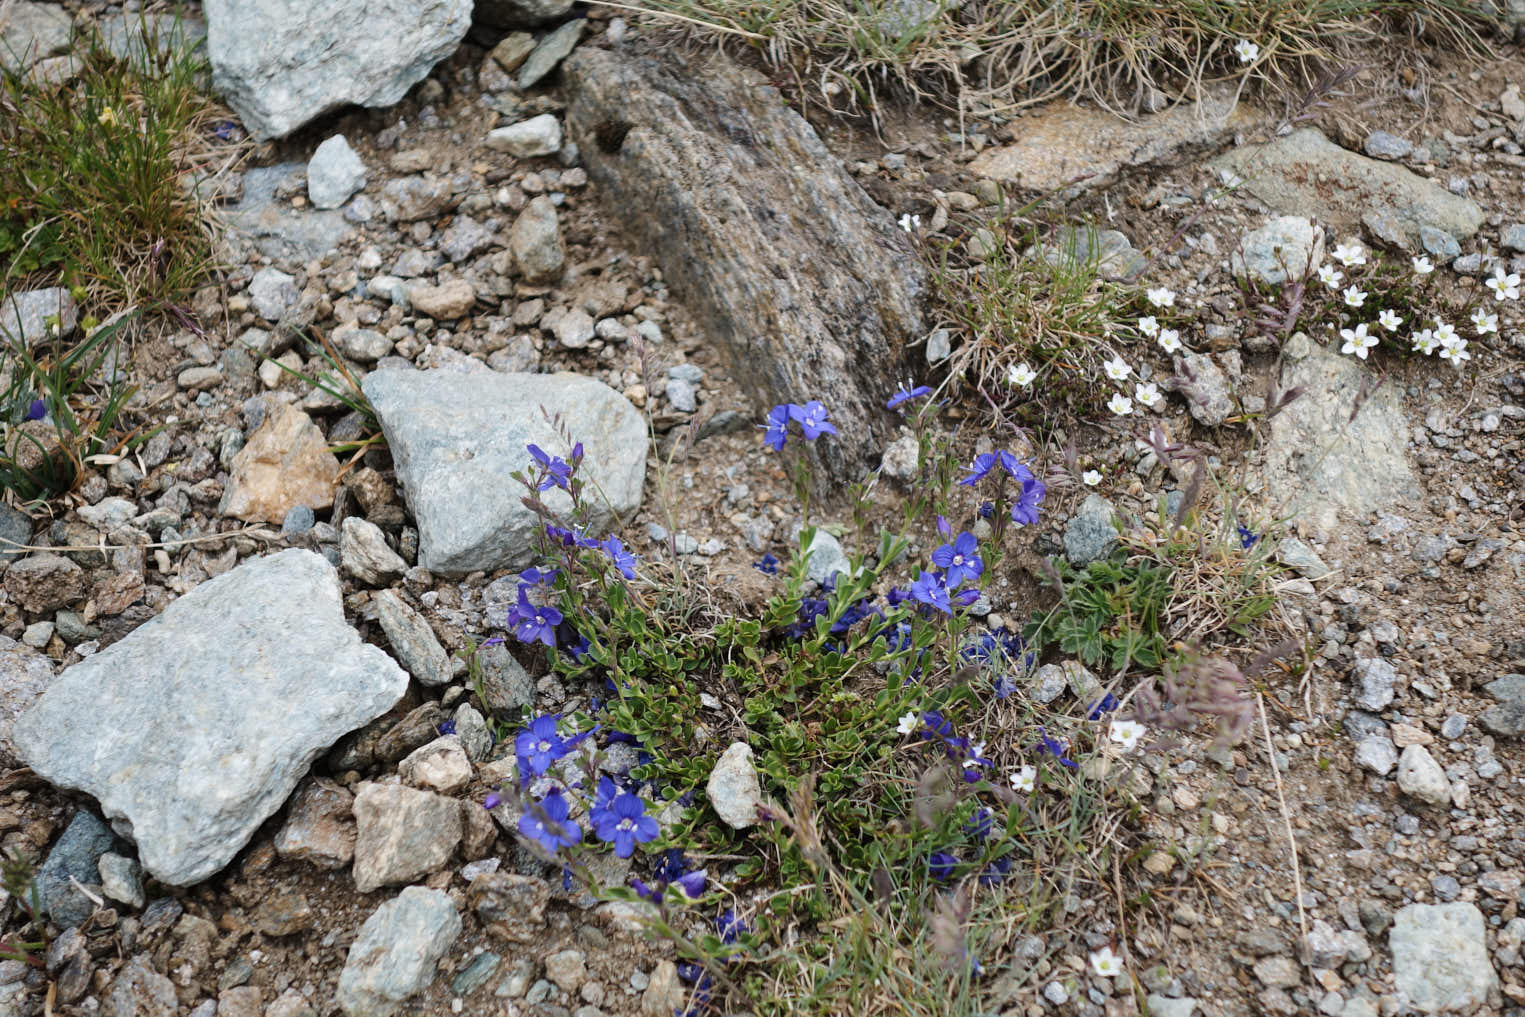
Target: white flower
<point x="1330" y="276"/>
<point x="1425" y="342"/>
<point x="1455" y="352"/>
<point x="1357" y="341"/>
<point x="1485" y="322"/>
<point x="1025" y="779"/>
<point x="1389" y="320"/>
<point x="1354" y="297"/>
<point x="1021" y="374"/>
<point x="1126" y="733"/>
<point x="1423" y="265"/>
<point x="1349" y="255"/>
<point x="1170" y="340"/>
<point x="908" y="723"/>
<point x="910" y="223"/>
<point x="1120" y="404"/>
<point x="1246" y="51"/>
<point x="1090" y="478"/>
<point x="1162" y="297"/>
<point x="1149" y="325"/>
<point x="1106" y="963"/>
<point x="1117" y="369"/>
<point x="1504" y="286"/>
<point x="1147" y="395"/>
<point x="1445" y="335"/>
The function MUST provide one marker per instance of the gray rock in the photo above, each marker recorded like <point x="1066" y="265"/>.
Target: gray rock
<point x="1205" y="387"/>
<point x="1091" y="534"/>
<point x="402" y="834"/>
<point x="44" y="581"/>
<point x="24" y="676"/>
<point x="281" y="65"/>
<point x="1507" y="719"/>
<point x="140" y="991"/>
<point x="471" y="729"/>
<point x="1439" y="243"/>
<point x="1512" y="237"/>
<point x="1301" y="558"/>
<point x="442" y="766"/>
<point x="364" y="554"/>
<point x="1322" y="463"/>
<point x="1382" y="145"/>
<point x="397" y="952"/>
<point x="334" y="172"/>
<point x="550" y="51"/>
<point x="1050" y="681"/>
<point x="825" y="557"/>
<point x="134" y="36"/>
<point x="1440" y="958"/>
<point x="75" y="857"/>
<point x="455" y="438"/>
<point x="1279" y="250"/>
<point x="15" y="529"/>
<point x="1110" y="252"/>
<point x="573" y="328"/>
<point x="412" y="640"/>
<point x="733" y="788"/>
<point x="902" y="460"/>
<point x="363" y="344"/>
<point x="1166" y="1006"/>
<point x="122" y="879"/>
<point x="939" y="346"/>
<point x="273" y="293"/>
<point x="1377" y="678"/>
<point x="299" y="520"/>
<point x="466" y="238"/>
<point x="202" y="720"/>
<point x="1377" y="753"/>
<point x="536" y="242"/>
<point x="681" y="395"/>
<point x="1304" y="173"/>
<point x="33" y="315"/>
<point x="1419" y="775"/>
<point x="274" y="227"/>
<point x="31" y="31"/>
<point x="528" y="138"/>
<point x="793" y="270"/>
<point x="521" y="13"/>
<point x="409" y="199"/>
<point x="506" y="686"/>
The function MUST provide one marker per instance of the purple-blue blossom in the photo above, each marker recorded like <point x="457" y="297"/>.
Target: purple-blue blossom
<point x="905" y="395"/>
<point x="533" y="622"/>
<point x="556" y="471"/>
<point x="539" y="745"/>
<point x="547" y="824"/>
<point x="960" y="559"/>
<point x="812" y="419"/>
<point x="929" y="589"/>
<point x="619" y="818"/>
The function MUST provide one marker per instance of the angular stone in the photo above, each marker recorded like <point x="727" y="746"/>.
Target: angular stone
<point x="455" y="438"/>
<point x="284" y="464"/>
<point x="512" y="906"/>
<point x="412" y="640"/>
<point x="140" y="991"/>
<point x="320" y="826"/>
<point x="782" y="257"/>
<point x="506" y="686"/>
<point x="334" y="173"/>
<point x="439" y="766"/>
<point x="1306" y="174"/>
<point x="1377" y="679"/>
<point x="273" y="226"/>
<point x="1281" y="249"/>
<point x="397" y="952"/>
<point x="1110" y="251"/>
<point x="34" y="315"/>
<point x="733" y="788"/>
<point x="465" y="238"/>
<point x="1205" y="387"/>
<point x="528" y="138"/>
<point x="549" y="52"/>
<point x="272" y="293"/>
<point x="193" y="729"/>
<point x="1420" y="776"/>
<point x="536" y="242"/>
<point x="448" y="301"/>
<point x="1091" y="533"/>
<point x="409" y="199"/>
<point x="281" y="65"/>
<point x="43" y="582"/>
<point x="1376" y="753"/>
<point x="364" y="554"/>
<point x="1440" y="958"/>
<point x="31" y="31"/>
<point x="122" y="879"/>
<point x="401" y="834"/>
<point x="74" y="858"/>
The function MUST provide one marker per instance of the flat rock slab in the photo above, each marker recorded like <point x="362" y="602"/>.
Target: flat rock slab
<point x="455" y="438"/>
<point x="1064" y="147"/>
<point x="810" y="287"/>
<point x="283" y="63"/>
<point x="1322" y="463"/>
<point x="194" y="729"/>
<point x="1306" y="174"/>
<point x="397" y="952"/>
<point x="1440" y="958"/>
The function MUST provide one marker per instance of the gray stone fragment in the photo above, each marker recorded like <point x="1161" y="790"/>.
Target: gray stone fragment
<point x="75" y="857"/>
<point x="363" y="344"/>
<point x="1377" y="754"/>
<point x="1382" y="145"/>
<point x="273" y="293"/>
<point x="364" y="554"/>
<point x="1439" y="243"/>
<point x="528" y="138"/>
<point x="681" y="395"/>
<point x="466" y="238"/>
<point x="1050" y="682"/>
<point x="31" y="31"/>
<point x="1301" y="558"/>
<point x="140" y="991"/>
<point x="551" y="50"/>
<point x="33" y="315"/>
<point x="274" y="227"/>
<point x="825" y="557"/>
<point x="281" y="65"/>
<point x="1283" y="248"/>
<point x="1205" y="387"/>
<point x="397" y="952"/>
<point x="24" y="676"/>
<point x="402" y="834"/>
<point x="733" y="788"/>
<point x="1110" y="252"/>
<point x="902" y="460"/>
<point x="455" y="438"/>
<point x="535" y="240"/>
<point x="1091" y="534"/>
<point x="1440" y="958"/>
<point x="201" y="721"/>
<point x="1507" y="719"/>
<point x="506" y="686"/>
<point x="334" y="172"/>
<point x="412" y="640"/>
<point x="1512" y="237"/>
<point x="1377" y="679"/>
<point x="1420" y="776"/>
<point x="409" y="199"/>
<point x="134" y="36"/>
<point x="122" y="879"/>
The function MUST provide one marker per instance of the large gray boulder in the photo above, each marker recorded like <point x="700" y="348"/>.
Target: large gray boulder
<point x="1440" y="958"/>
<point x="397" y="952"/>
<point x="283" y="63"/>
<point x="810" y="287"/>
<point x="455" y="438"/>
<point x="194" y="729"/>
<point x="31" y="31"/>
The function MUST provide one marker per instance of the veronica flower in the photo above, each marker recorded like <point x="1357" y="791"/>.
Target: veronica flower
<point x="1246" y="51"/>
<point x="777" y="427"/>
<point x="1505" y="285"/>
<point x="533" y="622"/>
<point x="557" y="471"/>
<point x="1117" y="369"/>
<point x="540" y="744"/>
<point x="1425" y="342"/>
<point x="1147" y="395"/>
<point x="551" y="829"/>
<point x="1357" y="341"/>
<point x="929" y="589"/>
<point x="620" y="819"/>
<point x="941" y="865"/>
<point x="1389" y="320"/>
<point x="1056" y="748"/>
<point x="768" y="566"/>
<point x="1126" y="733"/>
<point x="904" y="395"/>
<point x="1422" y="265"/>
<point x="1090" y="478"/>
<point x="1103" y="706"/>
<point x="623" y="560"/>
<point x="1024" y="511"/>
<point x="908" y="722"/>
<point x="1455" y="352"/>
<point x="1354" y="297"/>
<point x="987" y="461"/>
<point x="960" y="559"/>
<point x="1485" y="322"/>
<point x="1106" y="963"/>
<point x="1149" y="325"/>
<point x="1025" y="779"/>
<point x="1021" y="374"/>
<point x="1161" y="297"/>
<point x="1120" y="404"/>
<point x="812" y="419"/>
<point x="1170" y="340"/>
<point x="37" y="410"/>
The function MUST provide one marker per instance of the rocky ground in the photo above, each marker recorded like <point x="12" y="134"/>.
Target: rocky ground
<point x="250" y="643"/>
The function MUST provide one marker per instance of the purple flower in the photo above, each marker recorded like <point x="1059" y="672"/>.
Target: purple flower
<point x="979" y="824"/>
<point x="692" y="883"/>
<point x="960" y="559"/>
<point x="556" y="472"/>
<point x="929" y="589"/>
<point x="768" y="566"/>
<point x="777" y="428"/>
<point x="1054" y="748"/>
<point x="547" y="824"/>
<point x="623" y="560"/>
<point x="533" y="622"/>
<point x="1106" y="704"/>
<point x="1025" y="511"/>
<point x="1247" y="537"/>
<point x="936" y="725"/>
<point x="904" y="395"/>
<point x="540" y="745"/>
<point x="447" y="727"/>
<point x="619" y="818"/>
<point x="983" y="464"/>
<point x="562" y="536"/>
<point x="979" y="469"/>
<point x="37" y="410"/>
<point x="812" y="419"/>
<point x="492" y="801"/>
<point x="533" y="576"/>
<point x="730" y="926"/>
<point x="941" y="865"/>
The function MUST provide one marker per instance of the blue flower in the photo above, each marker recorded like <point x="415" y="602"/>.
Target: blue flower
<point x="767" y="566"/>
<point x="1106" y="704"/>
<point x="692" y="883"/>
<point x="929" y="589"/>
<point x="979" y="824"/>
<point x="941" y="865"/>
<point x="1025" y="511"/>
<point x="904" y="395"/>
<point x="447" y="727"/>
<point x="492" y="801"/>
<point x="1247" y="537"/>
<point x="555" y="470"/>
<point x="812" y="419"/>
<point x="936" y="725"/>
<point x="960" y="559"/>
<point x="730" y="926"/>
<point x="533" y="576"/>
<point x="37" y="410"/>
<point x="1054" y="748"/>
<point x="551" y="828"/>
<point x="623" y="560"/>
<point x="562" y="536"/>
<point x="540" y="745"/>
<point x="533" y="622"/>
<point x="988" y="461"/>
<point x="979" y="469"/>
<point x="996" y="871"/>
<point x="619" y="818"/>
<point x="987" y="510"/>
<point x="777" y="428"/>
